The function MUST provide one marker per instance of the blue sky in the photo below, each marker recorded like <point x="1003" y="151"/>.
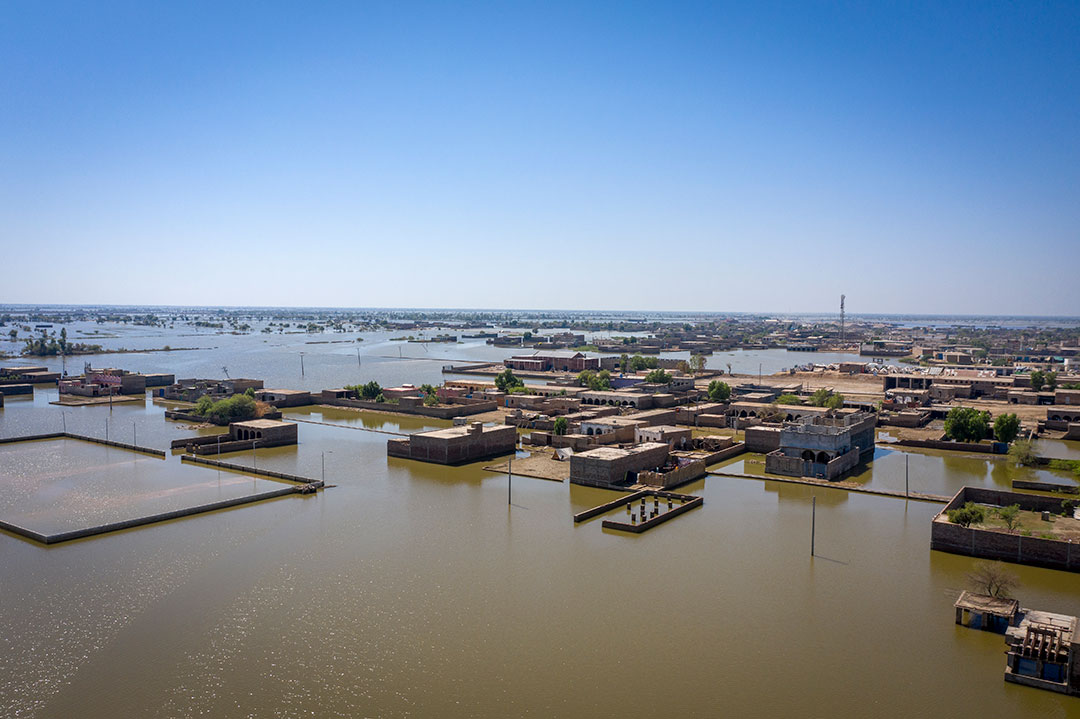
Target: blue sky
<point x="920" y="158"/>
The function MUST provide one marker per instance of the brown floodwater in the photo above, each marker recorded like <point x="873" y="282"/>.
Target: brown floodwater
<point x="414" y="590"/>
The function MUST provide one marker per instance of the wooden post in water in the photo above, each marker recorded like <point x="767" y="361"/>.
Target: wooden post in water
<point x="813" y="523"/>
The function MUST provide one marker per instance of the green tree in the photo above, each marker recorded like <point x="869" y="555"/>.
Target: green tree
<point x="1006" y="427"/>
<point x="1051" y="381"/>
<point x="658" y="376"/>
<point x="203" y="405"/>
<point x="964" y="424"/>
<point x="719" y="391"/>
<point x="1038" y="379"/>
<point x="624" y="363"/>
<point x="820" y="397"/>
<point x="967" y="515"/>
<point x="371" y="390"/>
<point x="505" y="381"/>
<point x="1010" y="516"/>
<point x="560" y="426"/>
<point x="835" y="401"/>
<point x="250" y="392"/>
<point x="13" y="334"/>
<point x="697" y="363"/>
<point x="430" y="400"/>
<point x="788" y="399"/>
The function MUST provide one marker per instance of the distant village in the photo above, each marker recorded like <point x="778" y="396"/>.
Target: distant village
<point x="607" y="411"/>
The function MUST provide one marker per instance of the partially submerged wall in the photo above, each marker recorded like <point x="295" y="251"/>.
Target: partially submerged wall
<point x="1000" y="545"/>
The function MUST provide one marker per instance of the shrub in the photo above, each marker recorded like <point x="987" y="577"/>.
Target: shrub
<point x="561" y="425"/>
<point x="1022" y="452"/>
<point x="967" y="515"/>
<point x="1010" y="516"/>
<point x="788" y="399"/>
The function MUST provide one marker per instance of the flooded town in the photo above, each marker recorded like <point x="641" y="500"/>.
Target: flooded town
<point x="573" y="360"/>
<point x="330" y="504"/>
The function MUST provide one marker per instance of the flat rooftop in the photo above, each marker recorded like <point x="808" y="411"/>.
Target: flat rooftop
<point x="612" y="453"/>
<point x="261" y="423"/>
<point x="451" y="432"/>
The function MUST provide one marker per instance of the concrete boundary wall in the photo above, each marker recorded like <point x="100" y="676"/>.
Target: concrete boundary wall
<point x="84" y="438"/>
<point x="691" y="502"/>
<point x="993" y="448"/>
<point x="140" y="521"/>
<point x="251" y="470"/>
<point x="1046" y="486"/>
<point x="608" y="506"/>
<point x="989" y="544"/>
<point x="659" y="519"/>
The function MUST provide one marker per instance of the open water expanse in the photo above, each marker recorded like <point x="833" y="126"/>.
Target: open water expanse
<point x="414" y="590"/>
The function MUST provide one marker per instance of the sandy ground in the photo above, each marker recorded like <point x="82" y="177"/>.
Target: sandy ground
<point x="540" y="464"/>
<point x="933" y="430"/>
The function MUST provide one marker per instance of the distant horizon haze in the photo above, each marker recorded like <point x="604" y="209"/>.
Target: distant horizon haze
<point x="823" y="314"/>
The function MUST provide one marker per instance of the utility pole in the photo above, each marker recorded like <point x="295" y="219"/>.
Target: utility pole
<point x="813" y="523"/>
<point x="509" y="480"/>
<point x="301" y="364"/>
<point x="842" y="298"/>
<point x="907" y="492"/>
<point x="134" y="435"/>
<point x="64" y="415"/>
<point x="357" y="356"/>
<point x="253" y="460"/>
